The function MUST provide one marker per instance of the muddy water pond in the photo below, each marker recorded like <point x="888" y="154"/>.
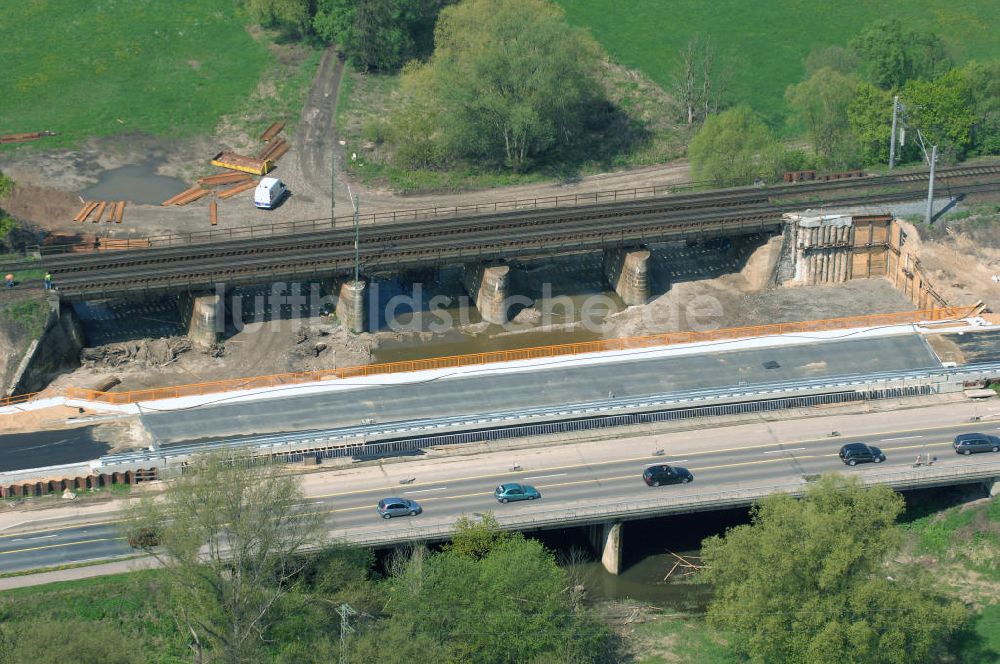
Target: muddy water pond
<point x="135" y="183"/>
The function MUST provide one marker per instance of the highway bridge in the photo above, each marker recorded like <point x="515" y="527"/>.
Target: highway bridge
<point x="318" y="249"/>
<point x="594" y="485"/>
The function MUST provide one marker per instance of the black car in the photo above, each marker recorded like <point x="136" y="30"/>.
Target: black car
<point x="664" y="474"/>
<point x="967" y="443"/>
<point x="855" y="453"/>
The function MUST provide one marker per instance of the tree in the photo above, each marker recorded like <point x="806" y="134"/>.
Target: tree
<point x="378" y="35"/>
<point x="490" y="597"/>
<point x="694" y="77"/>
<point x="806" y="581"/>
<point x="511" y="81"/>
<point x="296" y="13"/>
<point x="475" y="539"/>
<point x="890" y="56"/>
<point x="942" y="110"/>
<point x="984" y="82"/>
<point x="870" y="117"/>
<point x="820" y="105"/>
<point x="231" y="533"/>
<point x="735" y="147"/>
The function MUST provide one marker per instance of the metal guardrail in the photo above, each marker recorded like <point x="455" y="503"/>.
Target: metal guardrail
<point x="672" y="504"/>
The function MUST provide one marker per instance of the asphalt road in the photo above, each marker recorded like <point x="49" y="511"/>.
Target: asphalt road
<point x="559" y="384"/>
<point x="49" y="448"/>
<point x="978" y="347"/>
<point x="450" y="491"/>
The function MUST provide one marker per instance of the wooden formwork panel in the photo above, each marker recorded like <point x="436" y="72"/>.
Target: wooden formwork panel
<point x="880" y="234"/>
<point x="868" y="262"/>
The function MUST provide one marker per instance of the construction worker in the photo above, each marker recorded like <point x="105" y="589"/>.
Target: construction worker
<point x="10" y="280"/>
<point x="48" y="281"/>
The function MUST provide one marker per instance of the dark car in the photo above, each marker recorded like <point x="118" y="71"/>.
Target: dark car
<point x="664" y="474"/>
<point x="390" y="507"/>
<point x="511" y="492"/>
<point x="855" y="453"/>
<point x="967" y="443"/>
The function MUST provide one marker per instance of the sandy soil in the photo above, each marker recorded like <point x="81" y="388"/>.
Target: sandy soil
<point x="959" y="268"/>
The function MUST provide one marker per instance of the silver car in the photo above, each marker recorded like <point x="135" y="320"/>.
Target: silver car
<point x="390" y="507"/>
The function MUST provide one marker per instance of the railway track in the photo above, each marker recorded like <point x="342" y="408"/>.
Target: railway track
<point x="590" y="228"/>
<point x="62" y="264"/>
<point x="255" y="240"/>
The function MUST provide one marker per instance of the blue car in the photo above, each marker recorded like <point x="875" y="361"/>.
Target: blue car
<point x="506" y="493"/>
<point x="390" y="507"/>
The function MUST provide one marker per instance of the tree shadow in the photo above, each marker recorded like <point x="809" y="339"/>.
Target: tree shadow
<point x="608" y="134"/>
<point x="968" y="645"/>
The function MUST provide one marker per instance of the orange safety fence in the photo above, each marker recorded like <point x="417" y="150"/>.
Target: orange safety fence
<point x="455" y="361"/>
<point x="17" y="398"/>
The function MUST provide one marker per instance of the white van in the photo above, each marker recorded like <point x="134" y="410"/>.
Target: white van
<point x="268" y="193"/>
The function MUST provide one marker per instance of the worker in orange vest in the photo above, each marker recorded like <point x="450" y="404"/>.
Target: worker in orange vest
<point x="10" y="280"/>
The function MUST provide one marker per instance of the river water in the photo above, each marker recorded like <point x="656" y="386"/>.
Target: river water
<point x="652" y="547"/>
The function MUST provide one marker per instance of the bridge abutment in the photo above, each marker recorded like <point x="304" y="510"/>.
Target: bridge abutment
<point x="488" y="286"/>
<point x="992" y="487"/>
<point x="628" y="274"/>
<point x="351" y="305"/>
<point x="607" y="540"/>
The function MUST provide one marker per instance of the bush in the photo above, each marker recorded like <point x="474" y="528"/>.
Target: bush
<point x="735" y="147"/>
<point x="6" y="186"/>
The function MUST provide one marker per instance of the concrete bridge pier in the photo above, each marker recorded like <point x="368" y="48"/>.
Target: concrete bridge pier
<point x="992" y="487"/>
<point x="351" y="305"/>
<point x="208" y="319"/>
<point x="628" y="274"/>
<point x="488" y="286"/>
<point x="607" y="540"/>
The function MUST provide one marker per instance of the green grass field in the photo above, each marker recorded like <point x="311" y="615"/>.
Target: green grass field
<point x="764" y="43"/>
<point x="170" y="68"/>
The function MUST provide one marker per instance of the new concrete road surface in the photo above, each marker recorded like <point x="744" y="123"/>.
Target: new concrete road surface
<point x="559" y="384"/>
<point x="568" y="476"/>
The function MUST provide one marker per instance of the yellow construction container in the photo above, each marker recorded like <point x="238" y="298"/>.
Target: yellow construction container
<point x="238" y="162"/>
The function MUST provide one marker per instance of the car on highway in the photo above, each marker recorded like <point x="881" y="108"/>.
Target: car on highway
<point x="390" y="507"/>
<point x="968" y="443"/>
<point x="664" y="474"/>
<point x="854" y="453"/>
<point x="506" y="493"/>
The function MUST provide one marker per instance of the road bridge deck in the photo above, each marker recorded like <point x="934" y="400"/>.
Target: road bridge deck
<point x="562" y="381"/>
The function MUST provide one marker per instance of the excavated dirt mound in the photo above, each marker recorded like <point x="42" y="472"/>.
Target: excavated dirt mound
<point x="135" y="355"/>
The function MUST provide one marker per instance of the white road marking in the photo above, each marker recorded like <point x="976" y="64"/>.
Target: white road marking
<point x="440" y="488"/>
<point x="31" y="539"/>
<point x="794" y="449"/>
<point x="886" y="440"/>
<point x="545" y="477"/>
